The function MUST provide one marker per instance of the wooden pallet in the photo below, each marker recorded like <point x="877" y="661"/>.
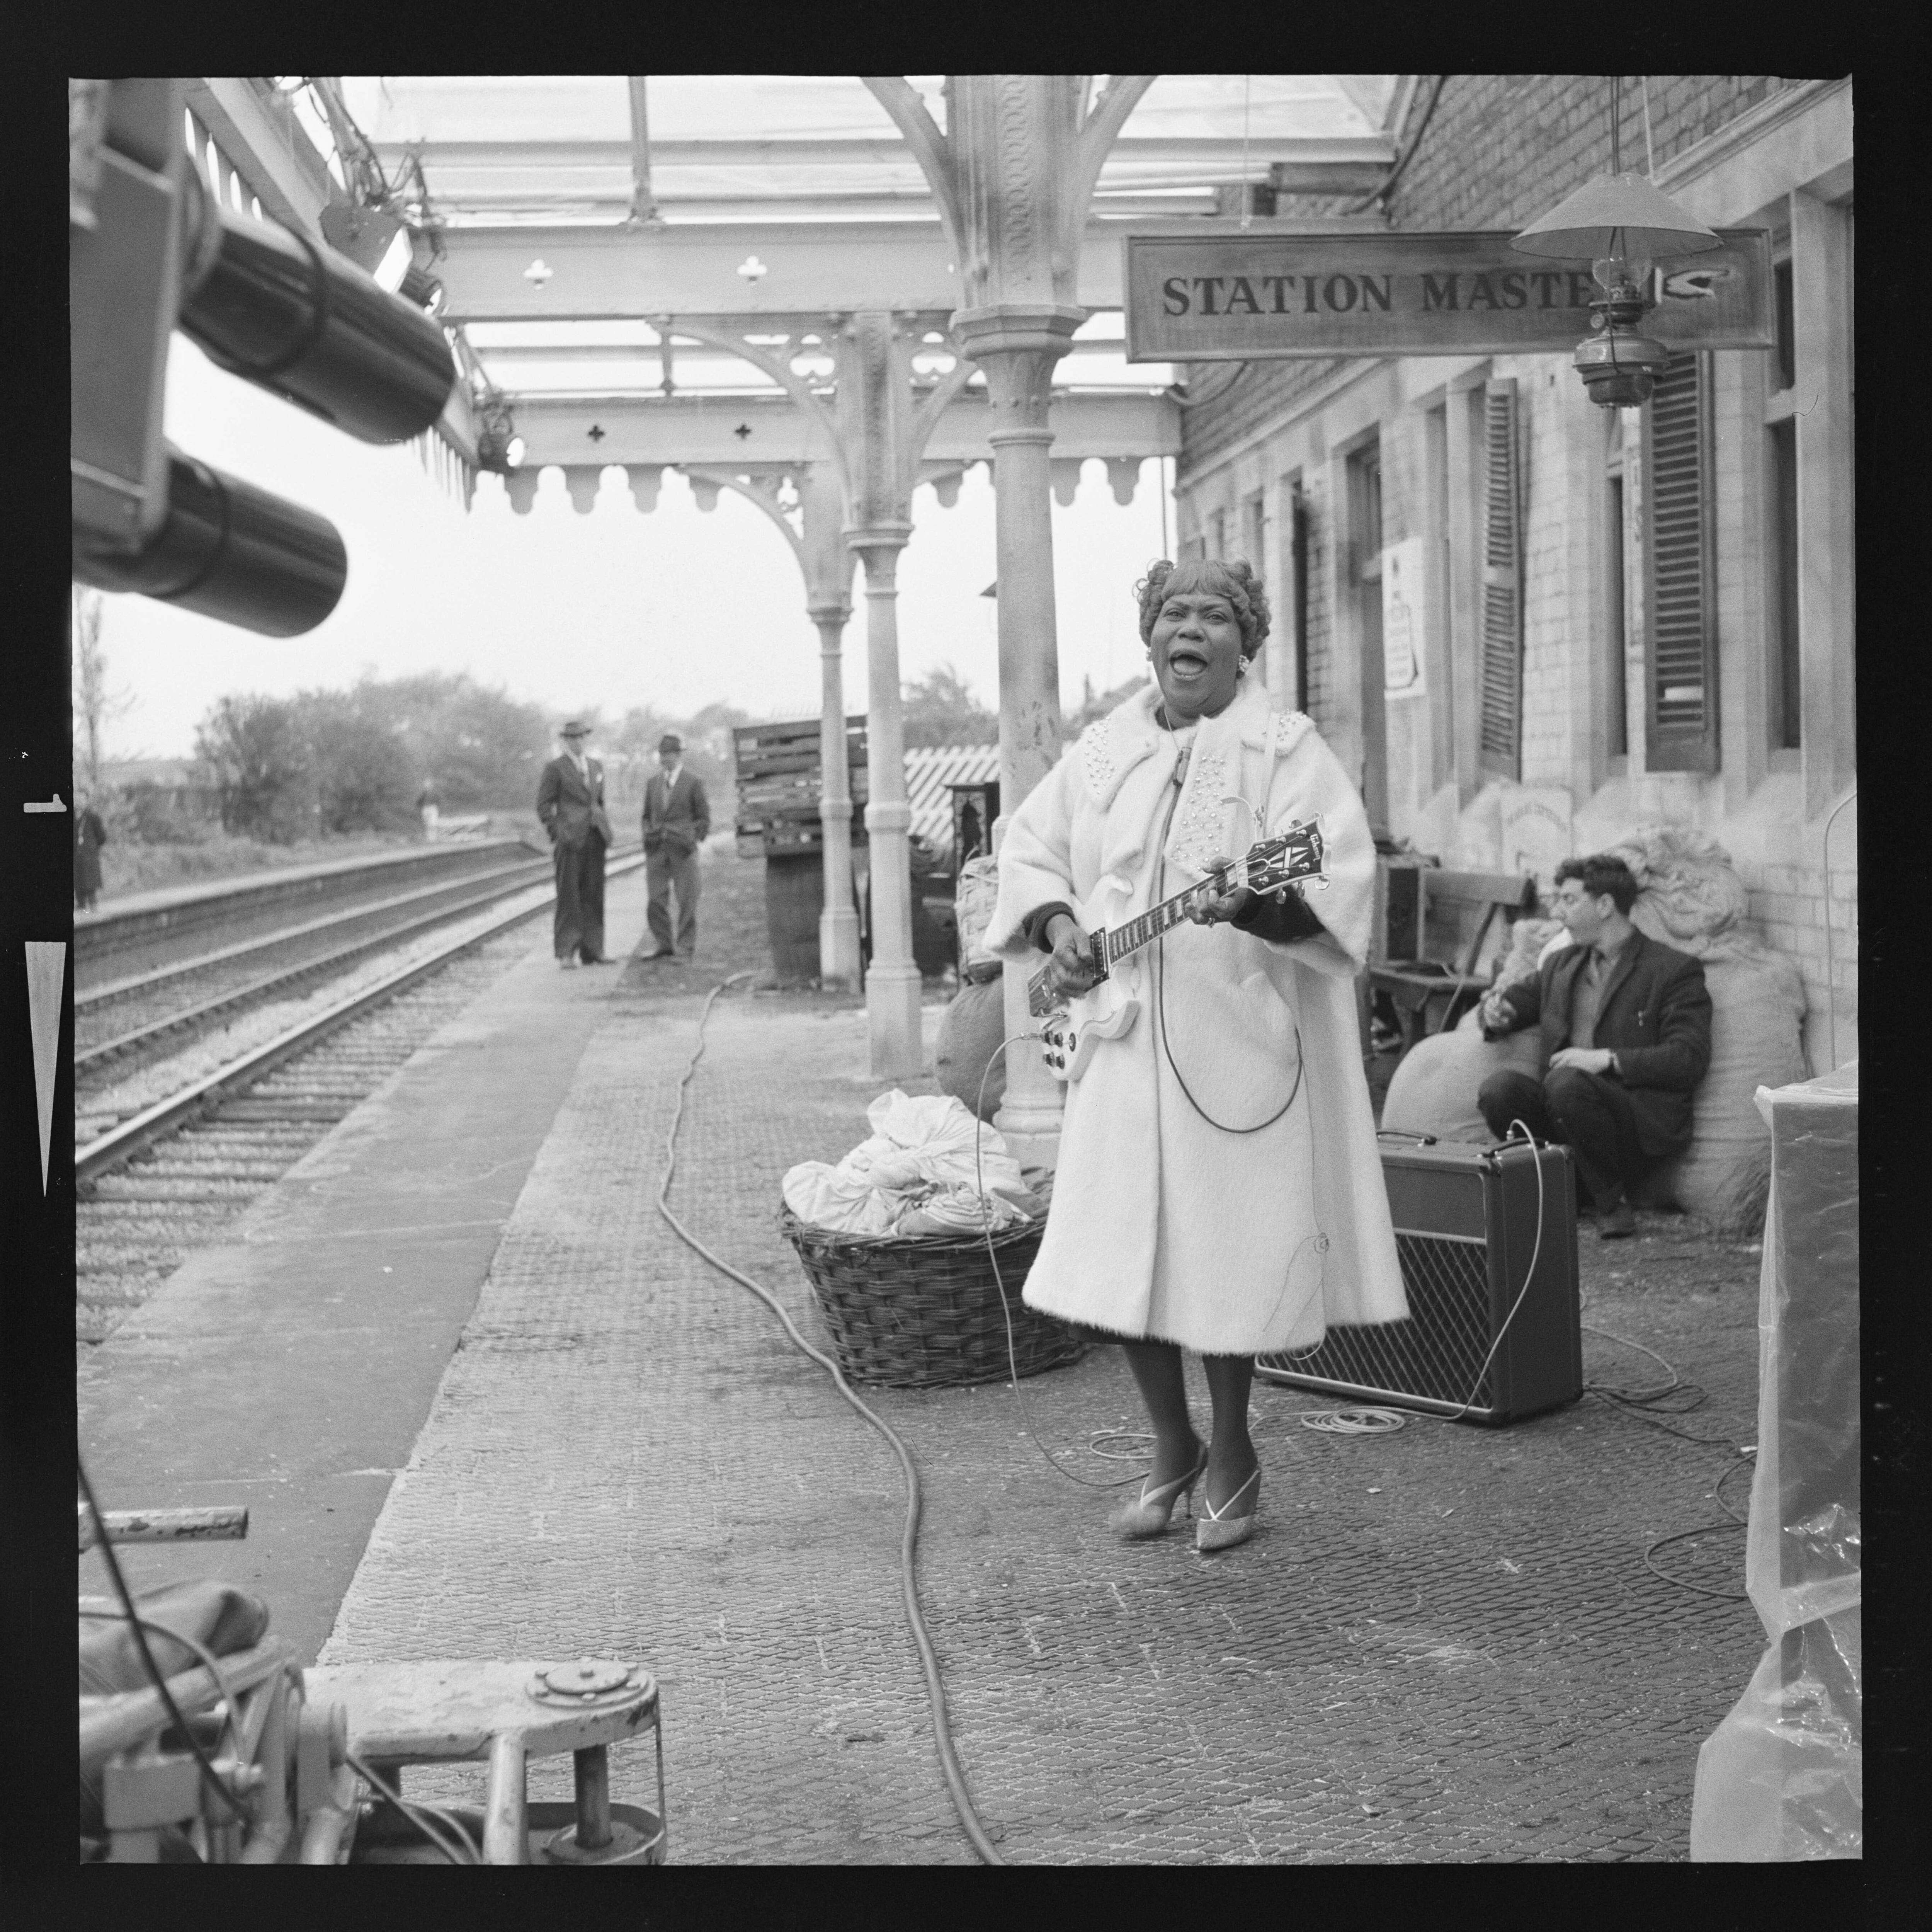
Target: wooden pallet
<point x="777" y="776"/>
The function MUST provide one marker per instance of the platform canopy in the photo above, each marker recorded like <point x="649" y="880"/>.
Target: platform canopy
<point x="578" y="217"/>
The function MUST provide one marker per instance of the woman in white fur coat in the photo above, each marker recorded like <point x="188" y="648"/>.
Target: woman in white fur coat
<point x="1219" y="1186"/>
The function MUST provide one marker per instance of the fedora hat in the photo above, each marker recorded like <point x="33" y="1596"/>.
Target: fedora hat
<point x="575" y="728"/>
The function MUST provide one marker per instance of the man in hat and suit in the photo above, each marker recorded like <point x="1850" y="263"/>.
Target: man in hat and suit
<point x="1626" y="1021"/>
<point x="676" y="821"/>
<point x="570" y="802"/>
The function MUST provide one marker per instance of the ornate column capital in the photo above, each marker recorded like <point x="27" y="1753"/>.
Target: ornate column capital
<point x="1017" y="346"/>
<point x="1013" y="325"/>
<point x="886" y="534"/>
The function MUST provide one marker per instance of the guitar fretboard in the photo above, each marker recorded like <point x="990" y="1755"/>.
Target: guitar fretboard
<point x="1122" y="940"/>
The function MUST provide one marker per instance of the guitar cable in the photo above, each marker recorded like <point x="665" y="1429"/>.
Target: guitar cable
<point x="1159" y="969"/>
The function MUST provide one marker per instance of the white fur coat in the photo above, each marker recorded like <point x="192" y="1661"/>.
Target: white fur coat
<point x="1163" y="1225"/>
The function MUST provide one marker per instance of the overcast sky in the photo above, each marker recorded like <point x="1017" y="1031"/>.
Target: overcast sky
<point x="613" y="609"/>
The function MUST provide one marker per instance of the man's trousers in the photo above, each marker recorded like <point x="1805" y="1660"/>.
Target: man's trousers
<point x="665" y="870"/>
<point x="1589" y="1114"/>
<point x="579" y="925"/>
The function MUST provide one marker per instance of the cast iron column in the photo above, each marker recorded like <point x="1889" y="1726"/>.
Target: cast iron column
<point x="892" y="981"/>
<point x="1017" y="349"/>
<point x="828" y="567"/>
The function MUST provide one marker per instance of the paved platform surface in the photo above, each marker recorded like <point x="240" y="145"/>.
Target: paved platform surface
<point x="1443" y="1644"/>
<point x="288" y="1364"/>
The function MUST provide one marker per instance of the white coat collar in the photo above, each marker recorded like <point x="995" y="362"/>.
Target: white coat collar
<point x="1118" y="747"/>
<point x="1111" y="747"/>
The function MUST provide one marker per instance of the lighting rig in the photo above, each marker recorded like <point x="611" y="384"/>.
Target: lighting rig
<point x="151" y="250"/>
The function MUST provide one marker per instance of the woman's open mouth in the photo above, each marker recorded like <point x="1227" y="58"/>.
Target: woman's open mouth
<point x="1187" y="663"/>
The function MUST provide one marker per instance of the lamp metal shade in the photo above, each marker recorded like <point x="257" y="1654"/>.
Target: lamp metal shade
<point x="1585" y="227"/>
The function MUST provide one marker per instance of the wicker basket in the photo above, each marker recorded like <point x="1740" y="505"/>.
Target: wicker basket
<point x="918" y="1311"/>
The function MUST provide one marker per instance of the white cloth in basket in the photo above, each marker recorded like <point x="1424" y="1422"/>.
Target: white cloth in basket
<point x="919" y="1159"/>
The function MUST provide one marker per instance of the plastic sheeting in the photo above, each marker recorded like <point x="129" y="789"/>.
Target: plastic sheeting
<point x="1782" y="1777"/>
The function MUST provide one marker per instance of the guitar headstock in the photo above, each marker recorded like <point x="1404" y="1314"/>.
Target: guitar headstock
<point x="1298" y="853"/>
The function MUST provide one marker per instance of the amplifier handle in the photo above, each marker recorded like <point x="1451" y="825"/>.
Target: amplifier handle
<point x="1405" y="1133"/>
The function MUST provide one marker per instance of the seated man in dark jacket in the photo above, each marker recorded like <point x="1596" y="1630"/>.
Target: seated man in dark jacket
<point x="1627" y="1025"/>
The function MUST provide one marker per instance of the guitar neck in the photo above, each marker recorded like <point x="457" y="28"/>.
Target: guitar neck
<point x="1120" y="940"/>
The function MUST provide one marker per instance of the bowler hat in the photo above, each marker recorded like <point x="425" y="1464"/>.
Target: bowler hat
<point x="670" y="741"/>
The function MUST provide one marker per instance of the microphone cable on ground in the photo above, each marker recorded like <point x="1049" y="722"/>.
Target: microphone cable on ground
<point x="935" y="1688"/>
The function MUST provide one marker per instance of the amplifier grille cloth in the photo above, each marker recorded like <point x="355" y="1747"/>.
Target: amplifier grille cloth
<point x="1437" y="1351"/>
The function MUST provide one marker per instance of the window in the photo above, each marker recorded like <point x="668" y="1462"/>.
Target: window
<point x="1681" y="670"/>
<point x="1785" y="359"/>
<point x="1302" y="537"/>
<point x="1255" y="533"/>
<point x="1616" y="614"/>
<point x="1499" y="739"/>
<point x="1217" y="535"/>
<point x="1786" y="706"/>
<point x="1365" y="517"/>
<point x="1783" y="707"/>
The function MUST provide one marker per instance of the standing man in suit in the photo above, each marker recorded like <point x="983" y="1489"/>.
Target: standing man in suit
<point x="1627" y="1026"/>
<point x="676" y="822"/>
<point x="570" y="802"/>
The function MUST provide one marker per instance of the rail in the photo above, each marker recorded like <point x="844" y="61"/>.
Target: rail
<point x="151" y="918"/>
<point x="118" y="1146"/>
<point x="256" y="990"/>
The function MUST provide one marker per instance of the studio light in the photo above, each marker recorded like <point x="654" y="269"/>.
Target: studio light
<point x="157" y="251"/>
<point x="233" y="552"/>
<point x="268" y="305"/>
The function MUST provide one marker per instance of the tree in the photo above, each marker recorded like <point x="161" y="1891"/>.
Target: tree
<point x="940" y="709"/>
<point x="364" y="777"/>
<point x="252" y="748"/>
<point x="630" y="749"/>
<point x="96" y="702"/>
<point x="1096" y="705"/>
<point x="480" y="746"/>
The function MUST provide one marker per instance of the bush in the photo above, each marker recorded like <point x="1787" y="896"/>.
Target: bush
<point x="145" y="813"/>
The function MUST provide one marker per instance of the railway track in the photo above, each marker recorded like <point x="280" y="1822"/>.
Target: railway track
<point x="160" y="1180"/>
<point x="143" y="1012"/>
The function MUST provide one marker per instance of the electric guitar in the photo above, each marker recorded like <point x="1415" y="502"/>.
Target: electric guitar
<point x="1107" y="1010"/>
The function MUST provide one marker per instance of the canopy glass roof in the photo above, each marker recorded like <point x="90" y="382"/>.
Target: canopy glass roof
<point x="552" y="148"/>
<point x="544" y="150"/>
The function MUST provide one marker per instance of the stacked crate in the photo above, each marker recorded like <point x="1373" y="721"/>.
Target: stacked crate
<point x="778" y="785"/>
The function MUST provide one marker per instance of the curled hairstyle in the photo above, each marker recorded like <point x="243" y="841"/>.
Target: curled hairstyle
<point x="1235" y="580"/>
<point x="1599" y="873"/>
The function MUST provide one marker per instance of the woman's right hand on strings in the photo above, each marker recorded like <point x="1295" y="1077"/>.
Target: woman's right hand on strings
<point x="1069" y="972"/>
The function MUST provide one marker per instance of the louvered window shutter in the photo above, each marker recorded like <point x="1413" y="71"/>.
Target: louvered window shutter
<point x="1500" y="740"/>
<point x="1681" y="670"/>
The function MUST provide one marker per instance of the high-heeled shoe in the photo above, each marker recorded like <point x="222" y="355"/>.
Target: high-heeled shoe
<point x="1148" y="1515"/>
<point x="1221" y="1529"/>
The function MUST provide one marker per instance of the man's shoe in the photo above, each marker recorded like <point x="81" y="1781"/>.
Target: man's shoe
<point x="1618" y="1223"/>
<point x="568" y="962"/>
<point x="599" y="959"/>
<point x="660" y="953"/>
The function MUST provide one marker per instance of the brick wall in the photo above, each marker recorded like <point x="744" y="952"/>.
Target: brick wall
<point x="1499" y="150"/>
<point x="1786" y="903"/>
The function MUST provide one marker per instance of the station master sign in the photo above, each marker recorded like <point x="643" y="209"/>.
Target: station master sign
<point x="1216" y="292"/>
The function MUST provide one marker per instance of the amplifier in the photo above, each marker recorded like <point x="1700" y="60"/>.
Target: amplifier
<point x="1466" y="1228"/>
